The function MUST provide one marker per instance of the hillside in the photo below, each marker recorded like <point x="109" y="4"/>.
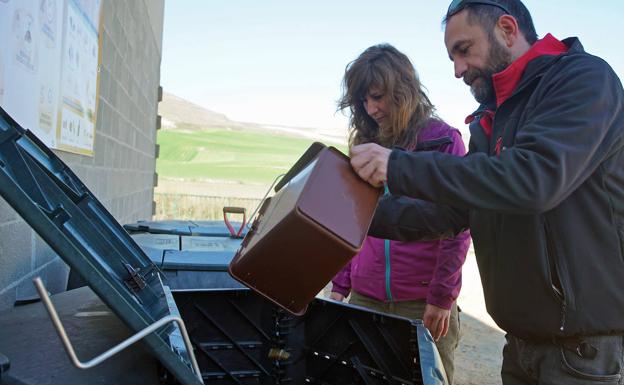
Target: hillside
<point x="221" y="155"/>
<point x="203" y="152"/>
<point x="176" y="110"/>
<point x="199" y="145"/>
<point x="180" y="114"/>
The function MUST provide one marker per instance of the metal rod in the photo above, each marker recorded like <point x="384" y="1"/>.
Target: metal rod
<point x="251" y="217"/>
<point x="118" y="348"/>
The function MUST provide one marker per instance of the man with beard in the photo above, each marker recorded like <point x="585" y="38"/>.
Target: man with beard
<point x="541" y="189"/>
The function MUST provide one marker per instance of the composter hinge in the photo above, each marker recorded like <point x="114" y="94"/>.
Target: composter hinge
<point x="136" y="279"/>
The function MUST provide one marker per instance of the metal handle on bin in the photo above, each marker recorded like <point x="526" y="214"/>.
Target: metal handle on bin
<point x="234" y="210"/>
<point x="118" y="348"/>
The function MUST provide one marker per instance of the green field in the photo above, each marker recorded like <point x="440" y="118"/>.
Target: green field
<point x="227" y="155"/>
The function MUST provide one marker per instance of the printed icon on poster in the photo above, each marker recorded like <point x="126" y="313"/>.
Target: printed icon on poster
<point x="47" y="20"/>
<point x="24" y="40"/>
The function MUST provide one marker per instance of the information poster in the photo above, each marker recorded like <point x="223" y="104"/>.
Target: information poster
<point x="79" y="77"/>
<point x="48" y="69"/>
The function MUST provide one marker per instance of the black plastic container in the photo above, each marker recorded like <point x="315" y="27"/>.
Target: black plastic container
<point x="249" y="340"/>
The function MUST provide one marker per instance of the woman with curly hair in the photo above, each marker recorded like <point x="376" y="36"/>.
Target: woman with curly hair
<point x="418" y="280"/>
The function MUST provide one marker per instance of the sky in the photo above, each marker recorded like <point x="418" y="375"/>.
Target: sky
<point x="281" y="62"/>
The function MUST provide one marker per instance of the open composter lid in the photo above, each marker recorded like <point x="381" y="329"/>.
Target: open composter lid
<point x="60" y="208"/>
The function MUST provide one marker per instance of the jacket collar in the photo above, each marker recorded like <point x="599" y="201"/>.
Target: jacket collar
<point x="532" y="70"/>
<point x="506" y="81"/>
<point x="434" y="130"/>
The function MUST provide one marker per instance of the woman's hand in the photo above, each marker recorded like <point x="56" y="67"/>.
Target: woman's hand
<point x="436" y="320"/>
<point x="336" y="296"/>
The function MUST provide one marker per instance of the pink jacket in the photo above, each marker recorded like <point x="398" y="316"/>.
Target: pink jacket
<point x="401" y="271"/>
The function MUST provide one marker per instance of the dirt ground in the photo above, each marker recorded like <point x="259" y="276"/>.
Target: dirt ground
<point x="478" y="358"/>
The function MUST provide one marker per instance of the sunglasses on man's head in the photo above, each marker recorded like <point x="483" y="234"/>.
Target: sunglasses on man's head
<point x="458" y="5"/>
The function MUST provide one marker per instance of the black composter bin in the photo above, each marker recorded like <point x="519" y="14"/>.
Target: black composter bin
<point x="251" y="341"/>
<point x="237" y="336"/>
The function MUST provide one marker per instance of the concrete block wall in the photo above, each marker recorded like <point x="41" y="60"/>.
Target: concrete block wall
<point x="122" y="171"/>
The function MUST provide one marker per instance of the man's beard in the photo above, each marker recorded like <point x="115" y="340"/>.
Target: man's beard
<point x="498" y="59"/>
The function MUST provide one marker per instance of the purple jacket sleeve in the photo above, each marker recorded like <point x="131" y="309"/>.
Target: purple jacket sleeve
<point x="446" y="281"/>
<point x="447" y="278"/>
<point x="341" y="283"/>
<point x="457" y="146"/>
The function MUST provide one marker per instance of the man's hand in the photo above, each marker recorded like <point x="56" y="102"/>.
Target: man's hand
<point x="370" y="162"/>
<point x="336" y="296"/>
<point x="436" y="320"/>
